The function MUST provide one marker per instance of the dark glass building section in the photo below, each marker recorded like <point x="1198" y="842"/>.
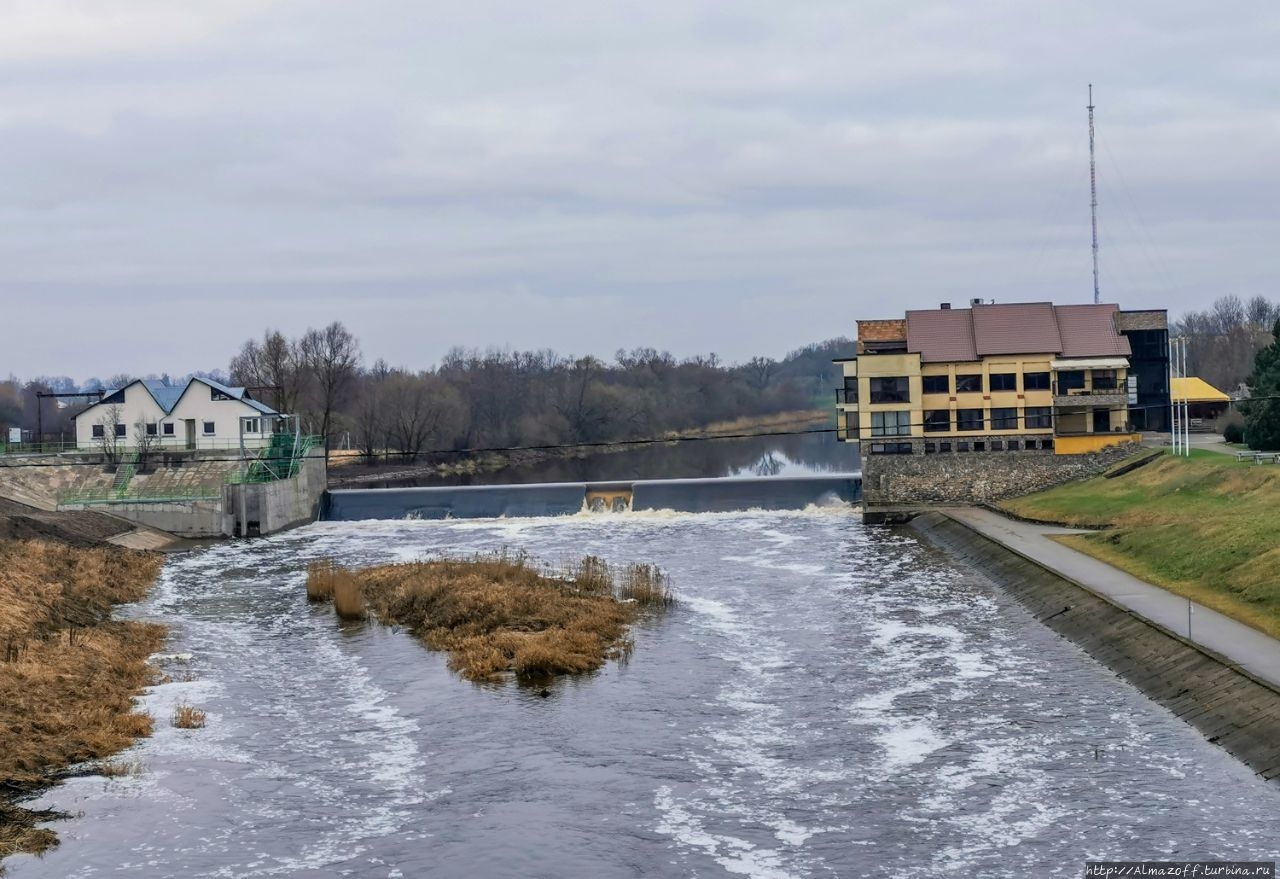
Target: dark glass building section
<point x="1148" y="335"/>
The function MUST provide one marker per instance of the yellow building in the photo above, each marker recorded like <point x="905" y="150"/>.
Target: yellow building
<point x="991" y="378"/>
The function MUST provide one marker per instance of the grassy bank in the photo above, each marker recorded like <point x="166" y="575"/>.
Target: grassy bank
<point x="498" y="615"/>
<point x="68" y="671"/>
<point x="1203" y="527"/>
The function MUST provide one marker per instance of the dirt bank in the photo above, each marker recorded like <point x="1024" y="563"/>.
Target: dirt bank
<point x="68" y="670"/>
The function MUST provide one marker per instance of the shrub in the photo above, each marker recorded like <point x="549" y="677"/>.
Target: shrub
<point x="1233" y="433"/>
<point x="188" y="717"/>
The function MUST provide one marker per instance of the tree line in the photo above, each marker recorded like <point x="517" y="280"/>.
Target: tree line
<point x="1224" y="339"/>
<point x="500" y="398"/>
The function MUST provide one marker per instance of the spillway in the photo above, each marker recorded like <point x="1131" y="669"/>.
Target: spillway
<point x="568" y="498"/>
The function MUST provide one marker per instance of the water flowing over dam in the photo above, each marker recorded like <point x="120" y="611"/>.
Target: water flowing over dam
<point x="568" y="498"/>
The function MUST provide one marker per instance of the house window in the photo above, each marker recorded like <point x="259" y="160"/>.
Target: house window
<point x="890" y="389"/>
<point x="937" y="384"/>
<point x="1035" y="381"/>
<point x="962" y="447"/>
<point x="891" y="448"/>
<point x="1014" y="445"/>
<point x="851" y="389"/>
<point x="1038" y="416"/>
<point x="980" y="447"/>
<point x="1071" y="380"/>
<point x="121" y="430"/>
<point x="1004" y="419"/>
<point x="252" y="425"/>
<point x="1046" y="444"/>
<point x="1104" y="379"/>
<point x="930" y="448"/>
<point x="997" y="446"/>
<point x="151" y="429"/>
<point x="1004" y="381"/>
<point x="937" y="421"/>
<point x="215" y="394"/>
<point x="209" y="429"/>
<point x="851" y="425"/>
<point x="167" y="427"/>
<point x="969" y="384"/>
<point x="944" y="447"/>
<point x="969" y="419"/>
<point x="891" y="423"/>
<point x="99" y="431"/>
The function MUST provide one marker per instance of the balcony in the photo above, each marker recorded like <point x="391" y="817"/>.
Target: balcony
<point x="846" y="396"/>
<point x="1110" y="395"/>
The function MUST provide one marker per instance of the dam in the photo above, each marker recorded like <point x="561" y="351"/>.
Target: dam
<point x="704" y="495"/>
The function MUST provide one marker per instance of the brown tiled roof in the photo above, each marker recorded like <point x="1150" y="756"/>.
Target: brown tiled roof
<point x="941" y="334"/>
<point x="962" y="334"/>
<point x="1090" y="331"/>
<point x="1016" y="328"/>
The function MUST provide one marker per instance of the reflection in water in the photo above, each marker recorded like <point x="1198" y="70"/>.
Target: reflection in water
<point x="759" y="456"/>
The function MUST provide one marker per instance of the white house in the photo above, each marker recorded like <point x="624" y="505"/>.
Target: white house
<point x="202" y="414"/>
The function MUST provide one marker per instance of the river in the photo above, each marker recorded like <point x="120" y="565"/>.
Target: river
<point x="828" y="699"/>
<point x="798" y="455"/>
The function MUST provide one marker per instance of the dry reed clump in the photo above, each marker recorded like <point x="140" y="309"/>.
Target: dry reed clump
<point x="327" y="581"/>
<point x="68" y="672"/>
<point x="187" y="717"/>
<point x="500" y="614"/>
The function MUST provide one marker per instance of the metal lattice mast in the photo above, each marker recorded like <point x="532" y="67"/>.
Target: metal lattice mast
<point x="1093" y="200"/>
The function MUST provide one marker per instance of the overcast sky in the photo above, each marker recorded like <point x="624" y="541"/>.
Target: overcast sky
<point x="700" y="176"/>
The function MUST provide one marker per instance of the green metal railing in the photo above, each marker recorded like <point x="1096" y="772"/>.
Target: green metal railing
<point x="281" y="459"/>
<point x="55" y="447"/>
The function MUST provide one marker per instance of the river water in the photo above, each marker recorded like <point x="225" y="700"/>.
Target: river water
<point x="828" y="699"/>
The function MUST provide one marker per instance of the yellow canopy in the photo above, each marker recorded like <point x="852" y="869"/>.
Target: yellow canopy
<point x="1196" y="390"/>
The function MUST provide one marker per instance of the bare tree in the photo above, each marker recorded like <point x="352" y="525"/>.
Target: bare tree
<point x="274" y="362"/>
<point x="108" y="439"/>
<point x="418" y="409"/>
<point x="332" y="357"/>
<point x="146" y="439"/>
<point x="760" y="372"/>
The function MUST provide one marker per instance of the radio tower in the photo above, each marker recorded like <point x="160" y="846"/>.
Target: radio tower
<point x="1093" y="200"/>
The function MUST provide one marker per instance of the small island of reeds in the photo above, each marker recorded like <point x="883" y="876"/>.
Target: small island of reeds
<point x="500" y="615"/>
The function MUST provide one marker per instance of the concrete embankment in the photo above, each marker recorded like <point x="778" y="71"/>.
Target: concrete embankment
<point x="1221" y="700"/>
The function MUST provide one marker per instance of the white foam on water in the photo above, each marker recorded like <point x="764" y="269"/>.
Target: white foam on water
<point x="908" y="743"/>
<point x="735" y="855"/>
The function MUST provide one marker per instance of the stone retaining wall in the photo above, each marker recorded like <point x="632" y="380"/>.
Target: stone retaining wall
<point x="1226" y="704"/>
<point x="975" y="477"/>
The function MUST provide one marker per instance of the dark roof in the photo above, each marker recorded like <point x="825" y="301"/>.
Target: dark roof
<point x="1016" y="328"/>
<point x="941" y="334"/>
<point x="1090" y="331"/>
<point x="960" y="334"/>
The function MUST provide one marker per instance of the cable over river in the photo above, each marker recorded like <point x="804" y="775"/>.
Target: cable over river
<point x="828" y="699"/>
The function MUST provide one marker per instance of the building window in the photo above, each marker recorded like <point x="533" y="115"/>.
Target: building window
<point x="1004" y="381"/>
<point x="209" y="429"/>
<point x="937" y="421"/>
<point x="1038" y="416"/>
<point x="891" y="448"/>
<point x="937" y="384"/>
<point x="930" y="448"/>
<point x="962" y="447"/>
<point x="1005" y="418"/>
<point x="215" y="394"/>
<point x="252" y="425"/>
<point x="890" y="389"/>
<point x="980" y="447"/>
<point x="891" y="423"/>
<point x="99" y="432"/>
<point x="1014" y="445"/>
<point x="151" y="429"/>
<point x="969" y="384"/>
<point x="944" y="447"/>
<point x="1046" y="444"/>
<point x="850" y="426"/>
<point x="850" y="390"/>
<point x="121" y="430"/>
<point x="167" y="427"/>
<point x="968" y="419"/>
<point x="997" y="446"/>
<point x="1104" y="379"/>
<point x="1072" y="380"/>
<point x="1035" y="381"/>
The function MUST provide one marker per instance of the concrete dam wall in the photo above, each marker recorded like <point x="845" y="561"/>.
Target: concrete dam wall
<point x="568" y="498"/>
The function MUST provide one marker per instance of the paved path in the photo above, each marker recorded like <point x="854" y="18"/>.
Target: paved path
<point x="1253" y="651"/>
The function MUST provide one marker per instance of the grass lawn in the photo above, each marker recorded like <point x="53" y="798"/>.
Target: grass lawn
<point x="1206" y="527"/>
